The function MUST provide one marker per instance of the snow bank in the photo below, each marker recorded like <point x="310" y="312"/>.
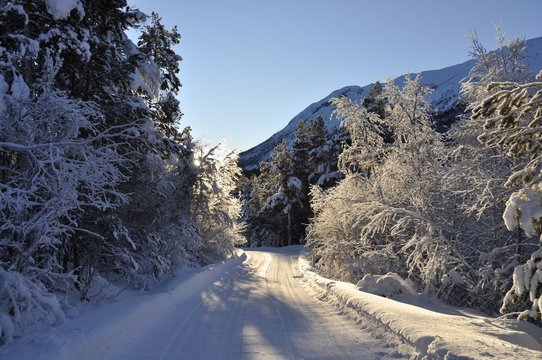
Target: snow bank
<point x="107" y="331"/>
<point x="432" y="334"/>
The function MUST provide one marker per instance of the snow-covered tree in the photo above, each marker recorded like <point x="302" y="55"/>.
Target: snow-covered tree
<point x="51" y="175"/>
<point x="503" y="64"/>
<point x="277" y="207"/>
<point x="366" y="136"/>
<point x="92" y="189"/>
<point x="388" y="210"/>
<point x="279" y="194"/>
<point x="475" y="177"/>
<point x="156" y="43"/>
<point x="374" y="102"/>
<point x="512" y="118"/>
<point x="62" y="154"/>
<point x="215" y="205"/>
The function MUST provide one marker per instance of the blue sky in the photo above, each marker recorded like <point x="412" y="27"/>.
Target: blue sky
<point x="249" y="66"/>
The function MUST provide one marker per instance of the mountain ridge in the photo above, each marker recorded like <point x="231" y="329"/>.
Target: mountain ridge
<point x="445" y="83"/>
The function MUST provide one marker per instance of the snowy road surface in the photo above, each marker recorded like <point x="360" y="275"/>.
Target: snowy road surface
<point x="258" y="310"/>
<point x="252" y="307"/>
<point x="255" y="307"/>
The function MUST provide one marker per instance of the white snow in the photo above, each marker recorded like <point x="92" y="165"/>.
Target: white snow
<point x="526" y="204"/>
<point x="19" y="89"/>
<point x="276" y="199"/>
<point x="109" y="331"/>
<point x="61" y="9"/>
<point x="526" y="279"/>
<point x="388" y="285"/>
<point x="7" y="330"/>
<point x="294" y="183"/>
<point x="434" y="331"/>
<point x="329" y="177"/>
<point x="264" y="304"/>
<point x="251" y="307"/>
<point x="147" y="79"/>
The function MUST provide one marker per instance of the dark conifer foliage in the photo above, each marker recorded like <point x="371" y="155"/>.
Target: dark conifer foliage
<point x="277" y="209"/>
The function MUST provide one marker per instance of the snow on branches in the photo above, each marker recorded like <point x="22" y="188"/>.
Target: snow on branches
<point x="512" y="118"/>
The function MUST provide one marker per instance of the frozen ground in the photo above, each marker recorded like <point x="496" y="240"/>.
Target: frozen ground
<point x="252" y="307"/>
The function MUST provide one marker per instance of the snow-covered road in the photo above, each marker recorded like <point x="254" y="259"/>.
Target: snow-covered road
<point x="251" y="307"/>
<point x="257" y="310"/>
<point x="255" y="306"/>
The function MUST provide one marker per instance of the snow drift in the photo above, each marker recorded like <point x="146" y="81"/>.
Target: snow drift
<point x="433" y="331"/>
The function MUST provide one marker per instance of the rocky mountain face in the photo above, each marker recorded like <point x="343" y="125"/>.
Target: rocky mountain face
<point x="444" y="82"/>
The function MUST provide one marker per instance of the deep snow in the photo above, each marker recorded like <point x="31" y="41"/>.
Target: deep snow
<point x="433" y="330"/>
<point x="251" y="307"/>
<point x="268" y="304"/>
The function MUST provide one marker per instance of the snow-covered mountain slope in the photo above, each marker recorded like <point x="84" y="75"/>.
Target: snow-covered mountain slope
<point x="444" y="82"/>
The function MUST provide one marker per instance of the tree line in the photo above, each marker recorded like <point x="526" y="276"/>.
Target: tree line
<point x="387" y="192"/>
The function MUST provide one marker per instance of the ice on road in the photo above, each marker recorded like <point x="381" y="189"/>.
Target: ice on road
<point x="258" y="310"/>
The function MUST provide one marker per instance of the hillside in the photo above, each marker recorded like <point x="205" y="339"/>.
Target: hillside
<point x="444" y="82"/>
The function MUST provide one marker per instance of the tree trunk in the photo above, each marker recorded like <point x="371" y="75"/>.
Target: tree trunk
<point x="289" y="228"/>
<point x="519" y="242"/>
<point x="76" y="263"/>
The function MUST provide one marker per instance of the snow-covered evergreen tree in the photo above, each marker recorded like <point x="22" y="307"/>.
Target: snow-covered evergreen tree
<point x="277" y="209"/>
<point x="156" y="43"/>
<point x="512" y="120"/>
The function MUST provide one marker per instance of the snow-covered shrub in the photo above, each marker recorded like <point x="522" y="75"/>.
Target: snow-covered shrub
<point x="25" y="301"/>
<point x="388" y="285"/>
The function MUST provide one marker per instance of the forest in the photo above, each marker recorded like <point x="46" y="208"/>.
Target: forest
<point x="102" y="188"/>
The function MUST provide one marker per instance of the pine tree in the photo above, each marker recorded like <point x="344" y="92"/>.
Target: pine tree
<point x="513" y="120"/>
<point x="374" y="102"/>
<point x="278" y="207"/>
<point x="156" y="42"/>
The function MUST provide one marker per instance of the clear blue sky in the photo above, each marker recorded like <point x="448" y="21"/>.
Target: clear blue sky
<point x="249" y="66"/>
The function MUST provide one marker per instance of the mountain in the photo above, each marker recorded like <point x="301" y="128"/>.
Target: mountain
<point x="444" y="82"/>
